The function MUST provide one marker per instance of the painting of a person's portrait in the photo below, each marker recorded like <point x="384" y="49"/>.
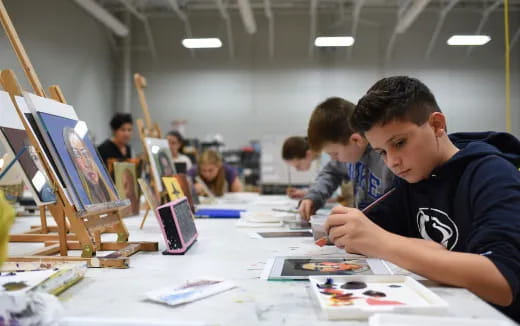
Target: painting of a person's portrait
<point x="126" y="184"/>
<point x="161" y="160"/>
<point x="84" y="169"/>
<point x="333" y="266"/>
<point x="89" y="174"/>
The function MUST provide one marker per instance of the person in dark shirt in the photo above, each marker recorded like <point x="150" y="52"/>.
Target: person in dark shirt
<point x="118" y="147"/>
<point x="454" y="216"/>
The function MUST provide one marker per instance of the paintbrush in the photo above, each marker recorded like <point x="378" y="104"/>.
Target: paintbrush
<point x="293" y="211"/>
<point x="323" y="241"/>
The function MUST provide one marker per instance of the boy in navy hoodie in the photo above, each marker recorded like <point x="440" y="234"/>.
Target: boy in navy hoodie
<point x="454" y="216"/>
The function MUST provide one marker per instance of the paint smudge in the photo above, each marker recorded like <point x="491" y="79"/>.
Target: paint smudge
<point x="354" y="285"/>
<point x="14" y="286"/>
<point x="321" y="242"/>
<point x="372" y="293"/>
<point x="378" y="302"/>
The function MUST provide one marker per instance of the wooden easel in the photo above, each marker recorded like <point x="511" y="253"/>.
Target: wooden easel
<point x="87" y="227"/>
<point x="150" y="130"/>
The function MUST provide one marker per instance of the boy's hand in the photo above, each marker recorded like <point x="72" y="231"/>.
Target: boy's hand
<point x="350" y="229"/>
<point x="296" y="193"/>
<point x="306" y="209"/>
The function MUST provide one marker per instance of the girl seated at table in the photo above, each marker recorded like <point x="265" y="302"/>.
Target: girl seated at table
<point x="216" y="175"/>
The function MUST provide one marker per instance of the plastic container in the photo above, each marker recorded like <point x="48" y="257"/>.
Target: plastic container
<point x="318" y="226"/>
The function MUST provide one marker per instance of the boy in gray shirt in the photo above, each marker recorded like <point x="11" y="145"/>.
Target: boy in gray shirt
<point x="352" y="158"/>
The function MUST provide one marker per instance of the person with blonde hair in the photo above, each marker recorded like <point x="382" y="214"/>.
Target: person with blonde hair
<point x="218" y="176"/>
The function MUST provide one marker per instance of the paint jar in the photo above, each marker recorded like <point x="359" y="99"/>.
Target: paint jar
<point x="318" y="226"/>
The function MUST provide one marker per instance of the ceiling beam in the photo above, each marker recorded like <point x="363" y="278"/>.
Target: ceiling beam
<point x="103" y="16"/>
<point x="313" y="12"/>
<point x="443" y="14"/>
<point x="184" y="18"/>
<point x="407" y="14"/>
<point x="225" y="16"/>
<point x="248" y="18"/>
<point x="270" y="18"/>
<point x="485" y="16"/>
<point x="356" y="13"/>
<point x="515" y="38"/>
<point x="147" y="29"/>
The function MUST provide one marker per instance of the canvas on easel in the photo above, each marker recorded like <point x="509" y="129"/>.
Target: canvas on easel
<point x="126" y="184"/>
<point x="86" y="224"/>
<point x="74" y="153"/>
<point x="160" y="159"/>
<point x="14" y="137"/>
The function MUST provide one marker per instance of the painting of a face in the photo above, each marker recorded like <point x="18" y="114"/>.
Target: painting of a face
<point x="330" y="266"/>
<point x="81" y="156"/>
<point x="126" y="184"/>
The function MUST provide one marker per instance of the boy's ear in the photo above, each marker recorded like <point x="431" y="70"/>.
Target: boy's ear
<point x="357" y="139"/>
<point x="438" y="123"/>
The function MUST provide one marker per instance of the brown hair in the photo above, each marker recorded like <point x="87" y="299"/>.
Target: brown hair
<point x="330" y="123"/>
<point x="295" y="148"/>
<point x="217" y="185"/>
<point x="399" y="98"/>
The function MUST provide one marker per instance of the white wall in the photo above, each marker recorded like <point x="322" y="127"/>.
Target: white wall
<point x="253" y="96"/>
<point x="69" y="48"/>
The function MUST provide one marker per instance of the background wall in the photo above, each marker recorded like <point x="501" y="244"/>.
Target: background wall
<point x="252" y="95"/>
<point x="69" y="48"/>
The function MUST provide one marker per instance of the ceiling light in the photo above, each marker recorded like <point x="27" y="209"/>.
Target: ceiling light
<point x="334" y="41"/>
<point x="468" y="40"/>
<point x="200" y="43"/>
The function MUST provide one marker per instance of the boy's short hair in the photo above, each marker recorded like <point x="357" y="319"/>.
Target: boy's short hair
<point x="120" y="119"/>
<point x="295" y="148"/>
<point x="394" y="98"/>
<point x="330" y="123"/>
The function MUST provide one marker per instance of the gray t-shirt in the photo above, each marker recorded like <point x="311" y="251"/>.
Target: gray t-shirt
<point x="370" y="178"/>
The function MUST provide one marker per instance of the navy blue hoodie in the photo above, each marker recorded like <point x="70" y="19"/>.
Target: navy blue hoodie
<point x="471" y="203"/>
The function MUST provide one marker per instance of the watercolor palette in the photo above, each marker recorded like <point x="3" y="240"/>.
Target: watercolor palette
<point x="359" y="296"/>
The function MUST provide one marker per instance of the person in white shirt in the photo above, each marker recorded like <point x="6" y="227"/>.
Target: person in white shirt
<point x="176" y="142"/>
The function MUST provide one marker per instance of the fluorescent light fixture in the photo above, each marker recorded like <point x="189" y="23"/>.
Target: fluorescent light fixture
<point x="468" y="40"/>
<point x="201" y="43"/>
<point x="334" y="41"/>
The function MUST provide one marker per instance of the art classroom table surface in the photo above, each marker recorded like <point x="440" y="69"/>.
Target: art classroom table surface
<point x="116" y="296"/>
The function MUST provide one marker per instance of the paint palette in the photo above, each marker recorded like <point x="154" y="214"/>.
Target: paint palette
<point x="359" y="296"/>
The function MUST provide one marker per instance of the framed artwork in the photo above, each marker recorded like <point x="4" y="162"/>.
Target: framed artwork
<point x="15" y="140"/>
<point x="160" y="158"/>
<point x="74" y="154"/>
<point x="149" y="195"/>
<point x="173" y="188"/>
<point x="126" y="184"/>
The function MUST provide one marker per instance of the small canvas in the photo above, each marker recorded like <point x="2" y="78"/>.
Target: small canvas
<point x="75" y="155"/>
<point x="286" y="234"/>
<point x="15" y="140"/>
<point x="173" y="188"/>
<point x="296" y="268"/>
<point x="126" y="184"/>
<point x="149" y="195"/>
<point x="161" y="160"/>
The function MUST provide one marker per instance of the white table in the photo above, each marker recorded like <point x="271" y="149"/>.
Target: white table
<point x="223" y="251"/>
